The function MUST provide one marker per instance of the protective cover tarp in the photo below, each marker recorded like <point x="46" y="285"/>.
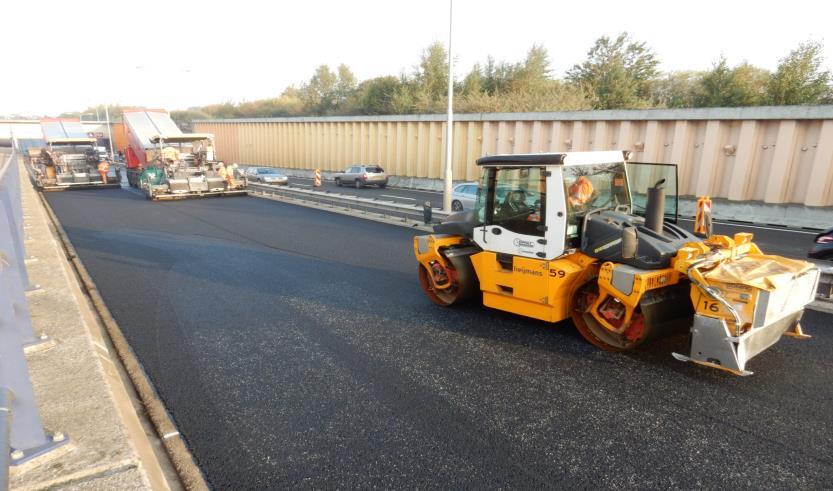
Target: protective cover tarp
<point x="147" y="124"/>
<point x="164" y="123"/>
<point x="759" y="271"/>
<point x="62" y="129"/>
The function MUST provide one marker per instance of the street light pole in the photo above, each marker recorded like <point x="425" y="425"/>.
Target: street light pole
<point x="449" y="145"/>
<point x="109" y="131"/>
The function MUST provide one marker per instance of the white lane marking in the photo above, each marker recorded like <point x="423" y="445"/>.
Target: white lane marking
<point x="397" y="197"/>
<point x="758" y="227"/>
<point x="168" y="435"/>
<point x="304" y="185"/>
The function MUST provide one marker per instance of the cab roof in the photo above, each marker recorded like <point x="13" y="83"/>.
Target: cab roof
<point x="559" y="158"/>
<point x="181" y="138"/>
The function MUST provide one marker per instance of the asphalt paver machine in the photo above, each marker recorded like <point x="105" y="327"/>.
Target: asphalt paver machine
<point x="70" y="159"/>
<point x="168" y="164"/>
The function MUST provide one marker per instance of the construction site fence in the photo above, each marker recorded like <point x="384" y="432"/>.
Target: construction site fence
<point x="775" y="155"/>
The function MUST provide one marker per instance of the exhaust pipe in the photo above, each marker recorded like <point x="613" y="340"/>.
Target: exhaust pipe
<point x="655" y="207"/>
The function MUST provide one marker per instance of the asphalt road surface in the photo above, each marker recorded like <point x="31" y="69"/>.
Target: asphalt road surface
<point x="294" y="348"/>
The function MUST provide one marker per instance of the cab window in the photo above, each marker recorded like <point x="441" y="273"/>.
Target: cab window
<point x="592" y="187"/>
<point x="518" y="203"/>
<point x="482" y="197"/>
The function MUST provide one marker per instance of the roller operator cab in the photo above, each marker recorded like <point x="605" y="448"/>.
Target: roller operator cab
<point x="593" y="237"/>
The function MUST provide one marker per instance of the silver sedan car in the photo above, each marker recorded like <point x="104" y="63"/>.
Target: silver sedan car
<point x="266" y="175"/>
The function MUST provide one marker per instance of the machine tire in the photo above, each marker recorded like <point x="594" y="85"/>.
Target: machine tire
<point x="467" y="286"/>
<point x="456" y="206"/>
<point x="598" y="335"/>
<point x="660" y="313"/>
<point x="587" y="325"/>
<point x="358" y="184"/>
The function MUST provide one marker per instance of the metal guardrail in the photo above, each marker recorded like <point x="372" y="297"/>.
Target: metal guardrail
<point x="825" y="291"/>
<point x="22" y="436"/>
<point x="348" y="202"/>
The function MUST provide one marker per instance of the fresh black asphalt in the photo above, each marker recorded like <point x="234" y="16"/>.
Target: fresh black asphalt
<point x="295" y="349"/>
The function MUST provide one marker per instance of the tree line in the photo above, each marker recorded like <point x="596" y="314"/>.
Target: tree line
<point x="618" y="73"/>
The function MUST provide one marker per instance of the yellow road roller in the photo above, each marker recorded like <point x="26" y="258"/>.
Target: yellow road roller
<point x="593" y="236"/>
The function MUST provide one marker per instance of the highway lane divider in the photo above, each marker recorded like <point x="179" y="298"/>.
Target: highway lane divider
<point x="357" y="204"/>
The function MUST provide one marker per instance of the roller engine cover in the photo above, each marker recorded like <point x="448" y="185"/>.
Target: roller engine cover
<point x="460" y="223"/>
<point x="603" y="236"/>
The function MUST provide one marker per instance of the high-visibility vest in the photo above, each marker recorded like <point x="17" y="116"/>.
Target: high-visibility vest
<point x="103" y="166"/>
<point x="580" y="191"/>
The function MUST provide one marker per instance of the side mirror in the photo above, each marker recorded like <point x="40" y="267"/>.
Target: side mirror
<point x="629" y="243"/>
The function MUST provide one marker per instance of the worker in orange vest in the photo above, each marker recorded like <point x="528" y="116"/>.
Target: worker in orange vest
<point x="103" y="170"/>
<point x="580" y="191"/>
<point x="222" y="171"/>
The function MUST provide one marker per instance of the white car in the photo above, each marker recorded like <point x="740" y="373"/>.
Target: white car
<point x="266" y="175"/>
<point x="464" y="196"/>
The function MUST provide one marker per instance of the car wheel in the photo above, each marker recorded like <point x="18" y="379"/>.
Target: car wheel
<point x="338" y="182"/>
<point x="358" y="184"/>
<point x="383" y="186"/>
<point x="456" y="206"/>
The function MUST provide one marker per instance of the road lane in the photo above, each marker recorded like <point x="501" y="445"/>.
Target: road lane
<point x="294" y="351"/>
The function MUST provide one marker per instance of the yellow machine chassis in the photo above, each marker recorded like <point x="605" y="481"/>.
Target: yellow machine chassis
<point x="547" y="289"/>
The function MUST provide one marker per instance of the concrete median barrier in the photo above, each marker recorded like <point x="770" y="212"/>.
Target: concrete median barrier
<point x="406" y="213"/>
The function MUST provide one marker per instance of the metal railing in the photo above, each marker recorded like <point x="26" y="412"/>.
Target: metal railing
<point x="22" y="436"/>
<point x="825" y="291"/>
<point x="387" y="209"/>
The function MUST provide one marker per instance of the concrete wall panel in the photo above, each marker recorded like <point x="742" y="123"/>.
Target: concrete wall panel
<point x="774" y="155"/>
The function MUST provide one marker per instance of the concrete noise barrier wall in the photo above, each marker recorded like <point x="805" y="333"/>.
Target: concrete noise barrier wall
<point x="772" y="155"/>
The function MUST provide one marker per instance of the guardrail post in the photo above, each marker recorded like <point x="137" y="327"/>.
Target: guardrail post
<point x="12" y="252"/>
<point x="11" y="203"/>
<point x="5" y="436"/>
<point x="25" y="434"/>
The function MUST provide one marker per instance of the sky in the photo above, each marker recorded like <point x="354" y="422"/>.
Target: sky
<point x="65" y="56"/>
